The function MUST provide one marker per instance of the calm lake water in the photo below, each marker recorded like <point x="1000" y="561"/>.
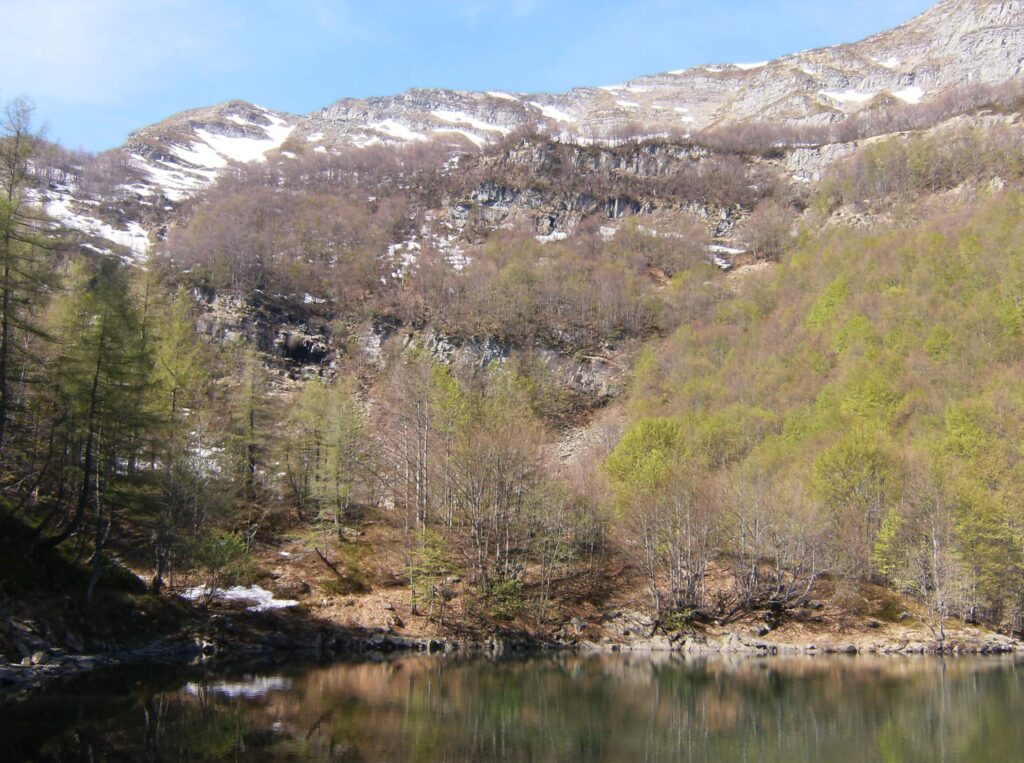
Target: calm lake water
<point x="622" y="708"/>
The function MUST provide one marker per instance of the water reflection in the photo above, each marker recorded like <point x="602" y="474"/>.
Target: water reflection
<point x="564" y="708"/>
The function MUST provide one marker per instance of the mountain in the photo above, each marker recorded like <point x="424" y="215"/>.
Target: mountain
<point x="955" y="44"/>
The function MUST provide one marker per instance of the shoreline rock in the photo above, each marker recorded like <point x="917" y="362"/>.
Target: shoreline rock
<point x="220" y="641"/>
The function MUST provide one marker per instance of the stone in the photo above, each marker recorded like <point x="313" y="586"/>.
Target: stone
<point x="732" y="643"/>
<point x="653" y="644"/>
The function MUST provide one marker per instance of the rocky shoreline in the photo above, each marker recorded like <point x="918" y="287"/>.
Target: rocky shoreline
<point x="224" y="640"/>
<point x="734" y="643"/>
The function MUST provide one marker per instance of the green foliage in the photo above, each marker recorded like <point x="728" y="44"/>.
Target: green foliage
<point x="827" y="304"/>
<point x="327" y="452"/>
<point x="643" y="457"/>
<point x="505" y="599"/>
<point x="964" y="437"/>
<point x="678" y="620"/>
<point x="939" y="343"/>
<point x="430" y="565"/>
<point x="885" y="554"/>
<point x="856" y="332"/>
<point x="899" y="168"/>
<point x="225" y="558"/>
<point x="873" y="351"/>
<point x="857" y="468"/>
<point x="352" y="565"/>
<point x="719" y="438"/>
<point x="870" y="396"/>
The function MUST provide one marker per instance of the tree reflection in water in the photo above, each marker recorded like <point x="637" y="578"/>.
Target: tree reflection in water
<point x="561" y="708"/>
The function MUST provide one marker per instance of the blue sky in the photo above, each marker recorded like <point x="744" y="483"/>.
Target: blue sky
<point x="98" y="69"/>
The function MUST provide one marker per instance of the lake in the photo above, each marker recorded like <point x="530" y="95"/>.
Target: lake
<point x="608" y="707"/>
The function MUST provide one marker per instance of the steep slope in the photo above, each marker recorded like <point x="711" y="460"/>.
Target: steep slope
<point x="186" y="152"/>
<point x="952" y="45"/>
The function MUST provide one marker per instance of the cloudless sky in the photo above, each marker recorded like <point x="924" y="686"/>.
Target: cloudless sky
<point x="97" y="69"/>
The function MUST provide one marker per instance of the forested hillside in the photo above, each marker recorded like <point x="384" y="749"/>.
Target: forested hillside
<point x="767" y="372"/>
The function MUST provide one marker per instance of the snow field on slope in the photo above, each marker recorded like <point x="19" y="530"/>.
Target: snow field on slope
<point x="135" y="238"/>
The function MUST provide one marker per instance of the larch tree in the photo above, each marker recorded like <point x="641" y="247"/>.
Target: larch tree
<point x="24" y="276"/>
<point x="180" y="382"/>
<point x="102" y="379"/>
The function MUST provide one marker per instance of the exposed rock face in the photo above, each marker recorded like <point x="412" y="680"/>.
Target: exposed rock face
<point x="597" y="379"/>
<point x="275" y="330"/>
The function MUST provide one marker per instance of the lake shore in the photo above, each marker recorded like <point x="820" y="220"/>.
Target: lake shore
<point x="230" y="636"/>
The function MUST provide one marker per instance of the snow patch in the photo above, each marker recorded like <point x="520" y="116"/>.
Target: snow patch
<point x="553" y="113"/>
<point x="719" y="249"/>
<point x="847" y="96"/>
<point x="501" y="95"/>
<point x="177" y="182"/>
<point x="245" y="149"/>
<point x="912" y="94"/>
<point x="406" y="254"/>
<point x="749" y="67"/>
<point x="134" y="238"/>
<point x="459" y="117"/>
<point x="261" y="599"/>
<point x="397" y="130"/>
<point x="201" y="155"/>
<point x="551" y="237"/>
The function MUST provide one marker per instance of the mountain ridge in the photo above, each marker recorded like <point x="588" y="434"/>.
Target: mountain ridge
<point x="951" y="45"/>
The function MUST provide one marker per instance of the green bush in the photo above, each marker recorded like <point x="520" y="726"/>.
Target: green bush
<point x="505" y="599"/>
